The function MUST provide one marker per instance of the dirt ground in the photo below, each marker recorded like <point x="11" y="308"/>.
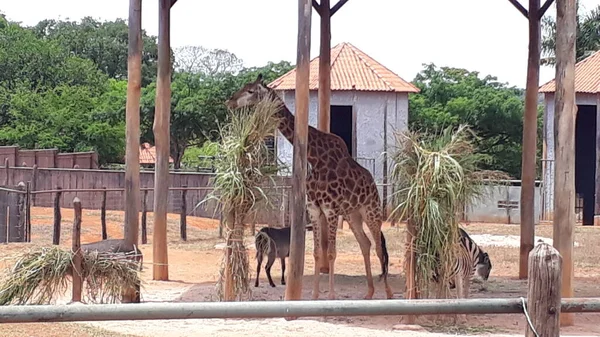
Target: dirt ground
<point x="194" y="265"/>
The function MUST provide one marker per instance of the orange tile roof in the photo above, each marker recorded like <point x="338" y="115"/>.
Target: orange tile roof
<point x="587" y="76"/>
<point x="148" y="154"/>
<point x="351" y="69"/>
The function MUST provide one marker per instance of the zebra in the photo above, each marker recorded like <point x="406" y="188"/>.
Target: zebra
<point x="471" y="260"/>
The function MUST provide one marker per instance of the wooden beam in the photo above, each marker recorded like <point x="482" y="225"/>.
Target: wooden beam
<point x="316" y="6"/>
<point x="293" y="290"/>
<point x="325" y="68"/>
<point x="520" y="7"/>
<point x="544" y="8"/>
<point x="527" y="207"/>
<point x="564" y="133"/>
<point x="132" y="123"/>
<point x="161" y="136"/>
<point x="337" y="7"/>
<point x="173" y="2"/>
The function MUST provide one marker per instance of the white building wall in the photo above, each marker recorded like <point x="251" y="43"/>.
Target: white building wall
<point x="369" y="109"/>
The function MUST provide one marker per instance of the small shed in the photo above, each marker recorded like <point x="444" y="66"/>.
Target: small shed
<point x="369" y="103"/>
<point x="587" y="149"/>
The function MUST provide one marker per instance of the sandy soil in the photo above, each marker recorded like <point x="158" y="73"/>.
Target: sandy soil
<point x="193" y="271"/>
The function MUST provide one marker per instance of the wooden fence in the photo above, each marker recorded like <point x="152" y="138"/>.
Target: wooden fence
<point x="104" y="189"/>
<point x="47" y="158"/>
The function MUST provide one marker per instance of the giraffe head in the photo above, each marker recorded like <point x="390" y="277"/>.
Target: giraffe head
<point x="249" y="94"/>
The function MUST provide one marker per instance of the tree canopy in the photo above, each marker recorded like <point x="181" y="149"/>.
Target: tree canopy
<point x="587" y="36"/>
<point x="453" y="96"/>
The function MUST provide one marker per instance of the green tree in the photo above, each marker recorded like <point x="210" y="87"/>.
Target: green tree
<point x="103" y="42"/>
<point x="453" y="96"/>
<point x="50" y="98"/>
<point x="587" y="39"/>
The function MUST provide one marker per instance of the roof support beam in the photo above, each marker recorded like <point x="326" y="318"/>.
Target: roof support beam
<point x="337" y="6"/>
<point x="519" y="7"/>
<point x="132" y="124"/>
<point x="293" y="290"/>
<point x="527" y="207"/>
<point x="316" y="6"/>
<point x="544" y="8"/>
<point x="161" y="130"/>
<point x="325" y="70"/>
<point x="564" y="134"/>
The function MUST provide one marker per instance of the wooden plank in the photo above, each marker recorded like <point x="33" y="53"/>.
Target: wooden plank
<point x="543" y="296"/>
<point x="293" y="290"/>
<point x="132" y="117"/>
<point x="564" y="173"/>
<point x="527" y="210"/>
<point x="410" y="258"/>
<point x="324" y="92"/>
<point x="77" y="254"/>
<point x="161" y="136"/>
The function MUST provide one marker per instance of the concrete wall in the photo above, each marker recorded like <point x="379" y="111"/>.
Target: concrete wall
<point x="486" y="208"/>
<point x="369" y="108"/>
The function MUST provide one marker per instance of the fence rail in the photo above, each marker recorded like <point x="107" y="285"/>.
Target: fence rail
<point x="276" y="309"/>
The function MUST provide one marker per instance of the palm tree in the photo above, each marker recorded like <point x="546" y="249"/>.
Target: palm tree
<point x="588" y="36"/>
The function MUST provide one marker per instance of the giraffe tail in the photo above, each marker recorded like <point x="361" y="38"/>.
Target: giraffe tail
<point x="386" y="258"/>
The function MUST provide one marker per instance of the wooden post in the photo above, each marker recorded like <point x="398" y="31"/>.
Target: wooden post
<point x="77" y="254"/>
<point x="21" y="230"/>
<point x="57" y="217"/>
<point x="28" y="204"/>
<point x="564" y="133"/>
<point x="229" y="291"/>
<point x="132" y="121"/>
<point x="144" y="217"/>
<point x="183" y="215"/>
<point x="7" y="171"/>
<point x="385" y="164"/>
<point x="34" y="176"/>
<point x="324" y="90"/>
<point x="293" y="290"/>
<point x="103" y="215"/>
<point x="221" y="216"/>
<point x="161" y="136"/>
<point x="529" y="139"/>
<point x="543" y="297"/>
<point x="411" y="267"/>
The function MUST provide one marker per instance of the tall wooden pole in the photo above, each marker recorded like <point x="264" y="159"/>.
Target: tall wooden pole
<point x="564" y="173"/>
<point x="325" y="67"/>
<point x="324" y="95"/>
<point x="161" y="136"/>
<point x="293" y="290"/>
<point x="529" y="139"/>
<point x="132" y="124"/>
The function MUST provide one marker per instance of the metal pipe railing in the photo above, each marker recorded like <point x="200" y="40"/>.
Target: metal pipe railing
<point x="270" y="309"/>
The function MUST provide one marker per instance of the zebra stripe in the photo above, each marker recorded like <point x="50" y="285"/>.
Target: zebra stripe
<point x="468" y="259"/>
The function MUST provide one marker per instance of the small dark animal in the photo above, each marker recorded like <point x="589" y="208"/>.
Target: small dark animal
<point x="275" y="243"/>
<point x="115" y="246"/>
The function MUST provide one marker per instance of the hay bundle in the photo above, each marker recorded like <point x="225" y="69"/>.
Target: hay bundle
<point x="243" y="169"/>
<point x="436" y="176"/>
<point x="40" y="275"/>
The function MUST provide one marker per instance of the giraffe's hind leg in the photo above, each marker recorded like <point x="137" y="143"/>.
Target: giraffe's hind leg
<point x="356" y="225"/>
<point x="374" y="222"/>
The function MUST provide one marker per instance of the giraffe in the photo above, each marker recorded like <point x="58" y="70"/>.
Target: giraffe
<point x="336" y="186"/>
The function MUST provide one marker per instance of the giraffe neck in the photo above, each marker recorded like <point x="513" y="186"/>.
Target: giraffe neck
<point x="286" y="126"/>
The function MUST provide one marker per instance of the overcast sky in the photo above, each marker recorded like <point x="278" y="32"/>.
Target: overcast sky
<point x="489" y="36"/>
